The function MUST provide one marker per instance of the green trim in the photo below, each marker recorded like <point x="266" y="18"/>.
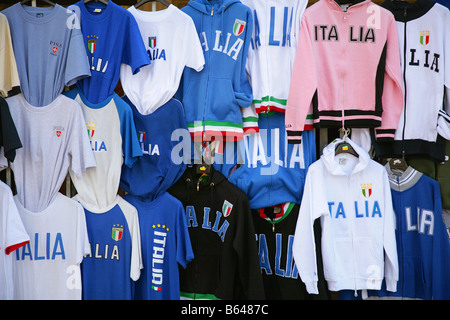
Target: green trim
<point x="250" y="119"/>
<point x="197" y="296"/>
<point x="270" y="98"/>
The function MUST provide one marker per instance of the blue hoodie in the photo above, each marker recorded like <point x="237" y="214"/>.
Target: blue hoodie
<point x="212" y="98"/>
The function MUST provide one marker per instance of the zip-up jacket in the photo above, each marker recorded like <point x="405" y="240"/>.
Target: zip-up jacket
<point x="346" y="71"/>
<point x="352" y="198"/>
<point x="213" y="97"/>
<point x="424" y="41"/>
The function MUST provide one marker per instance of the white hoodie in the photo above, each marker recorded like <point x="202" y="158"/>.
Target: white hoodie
<point x="352" y="198"/>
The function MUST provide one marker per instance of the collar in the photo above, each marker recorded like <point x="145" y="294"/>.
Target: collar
<point x="404" y="180"/>
<point x="404" y="11"/>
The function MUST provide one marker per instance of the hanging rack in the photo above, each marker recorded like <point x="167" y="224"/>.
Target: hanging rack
<point x="345" y="146"/>
<point x="140" y="3"/>
<point x="105" y="2"/>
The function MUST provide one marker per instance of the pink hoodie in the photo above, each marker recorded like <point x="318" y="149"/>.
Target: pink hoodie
<point x="346" y="71"/>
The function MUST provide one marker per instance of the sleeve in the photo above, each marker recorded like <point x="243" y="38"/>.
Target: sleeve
<point x="134" y="53"/>
<point x="185" y="253"/>
<point x="242" y="88"/>
<point x="194" y="51"/>
<point x="9" y="137"/>
<point x="83" y="247"/>
<point x="15" y="236"/>
<point x="9" y="77"/>
<point x="440" y="282"/>
<point x="392" y="98"/>
<point x="303" y="86"/>
<point x="444" y="114"/>
<point x="77" y="64"/>
<point x="250" y="120"/>
<point x="131" y="148"/>
<point x="79" y="144"/>
<point x="391" y="268"/>
<point x="313" y="205"/>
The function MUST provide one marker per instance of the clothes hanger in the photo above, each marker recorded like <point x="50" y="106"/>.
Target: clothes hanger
<point x="345" y="146"/>
<point x="105" y="2"/>
<point x="46" y="1"/>
<point x="398" y="164"/>
<point x="140" y="3"/>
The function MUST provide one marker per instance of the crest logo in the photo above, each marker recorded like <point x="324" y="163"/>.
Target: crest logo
<point x="226" y="208"/>
<point x="424" y="37"/>
<point x="238" y="27"/>
<point x="117" y="232"/>
<point x="141" y="136"/>
<point x="366" y="190"/>
<point x="90" y="129"/>
<point x="58" y="131"/>
<point x="54" y="49"/>
<point x="152" y="42"/>
<point x="92" y="43"/>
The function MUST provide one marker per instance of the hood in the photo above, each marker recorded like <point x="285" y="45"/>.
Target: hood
<point x="205" y="6"/>
<point x="344" y="163"/>
<point x="406" y="11"/>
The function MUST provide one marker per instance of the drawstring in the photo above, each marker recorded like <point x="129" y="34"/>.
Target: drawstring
<point x="212" y="194"/>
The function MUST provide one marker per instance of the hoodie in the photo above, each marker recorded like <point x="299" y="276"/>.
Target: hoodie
<point x="351" y="196"/>
<point x="219" y="220"/>
<point x="213" y="97"/>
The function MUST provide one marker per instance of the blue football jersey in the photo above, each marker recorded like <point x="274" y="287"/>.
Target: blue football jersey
<point x="115" y="262"/>
<point x="166" y="246"/>
<point x="111" y="37"/>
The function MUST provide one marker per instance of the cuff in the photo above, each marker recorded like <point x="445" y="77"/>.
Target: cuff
<point x="294" y="137"/>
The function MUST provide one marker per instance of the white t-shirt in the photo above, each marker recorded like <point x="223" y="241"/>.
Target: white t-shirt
<point x="9" y="76"/>
<point x="54" y="138"/>
<point x="12" y="236"/>
<point x="49" y="266"/>
<point x="172" y="43"/>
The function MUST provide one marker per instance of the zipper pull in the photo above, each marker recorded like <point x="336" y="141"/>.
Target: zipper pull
<point x="212" y="11"/>
<point x="273" y="226"/>
<point x="198" y="185"/>
<point x="404" y="12"/>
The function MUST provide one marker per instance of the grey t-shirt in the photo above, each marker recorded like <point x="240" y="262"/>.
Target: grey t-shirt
<point x="49" y="50"/>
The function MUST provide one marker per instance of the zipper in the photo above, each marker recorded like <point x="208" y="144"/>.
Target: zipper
<point x="404" y="76"/>
<point x="344" y="17"/>
<point x="207" y="84"/>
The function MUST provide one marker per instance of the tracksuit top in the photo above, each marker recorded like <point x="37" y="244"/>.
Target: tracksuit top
<point x="347" y="68"/>
<point x="424" y="41"/>
<point x="352" y="198"/>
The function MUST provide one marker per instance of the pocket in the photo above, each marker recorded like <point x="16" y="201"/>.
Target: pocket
<point x="222" y="103"/>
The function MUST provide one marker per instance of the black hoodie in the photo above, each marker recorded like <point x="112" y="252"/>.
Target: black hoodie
<point x="226" y="263"/>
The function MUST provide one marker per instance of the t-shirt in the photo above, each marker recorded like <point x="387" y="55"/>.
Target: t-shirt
<point x="49" y="50"/>
<point x="54" y="138"/>
<point x="172" y="43"/>
<point x="48" y="267"/>
<point x="9" y="77"/>
<point x="165" y="246"/>
<point x="113" y="140"/>
<point x="12" y="236"/>
<point x="9" y="138"/>
<point x="116" y="260"/>
<point x="111" y="37"/>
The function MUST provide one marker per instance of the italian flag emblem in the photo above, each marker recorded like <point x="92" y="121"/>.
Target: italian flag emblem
<point x="141" y="136"/>
<point x="366" y="190"/>
<point x="238" y="27"/>
<point x="424" y="37"/>
<point x="117" y="232"/>
<point x="152" y="42"/>
<point x="92" y="44"/>
<point x="226" y="208"/>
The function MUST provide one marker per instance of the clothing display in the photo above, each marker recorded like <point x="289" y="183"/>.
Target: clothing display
<point x="54" y="140"/>
<point x="165" y="246"/>
<point x="354" y="206"/>
<point x="165" y="33"/>
<point x="225" y="150"/>
<point x="424" y="40"/>
<point x="9" y="78"/>
<point x="113" y="141"/>
<point x="158" y="169"/>
<point x="51" y="37"/>
<point x="347" y="68"/>
<point x="115" y="262"/>
<point x="13" y="236"/>
<point x="111" y="37"/>
<point x="48" y="267"/>
<point x="212" y="98"/>
<point x="218" y="215"/>
<point x="275" y="227"/>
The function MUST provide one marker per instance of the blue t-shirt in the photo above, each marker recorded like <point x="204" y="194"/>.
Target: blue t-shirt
<point x="166" y="245"/>
<point x="111" y="270"/>
<point x="49" y="51"/>
<point x="111" y="37"/>
<point x="163" y="137"/>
